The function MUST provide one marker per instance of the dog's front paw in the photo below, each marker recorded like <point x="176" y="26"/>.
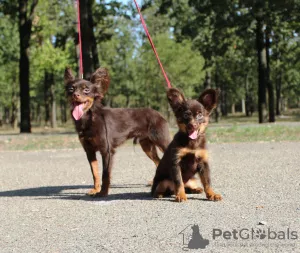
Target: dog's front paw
<point x="180" y="197"/>
<point x="215" y="197"/>
<point x="101" y="194"/>
<point x="93" y="192"/>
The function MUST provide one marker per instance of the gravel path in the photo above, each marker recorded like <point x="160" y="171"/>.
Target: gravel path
<point x="43" y="207"/>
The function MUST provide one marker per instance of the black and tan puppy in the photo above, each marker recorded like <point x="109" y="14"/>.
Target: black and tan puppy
<point x="104" y="129"/>
<point x="187" y="154"/>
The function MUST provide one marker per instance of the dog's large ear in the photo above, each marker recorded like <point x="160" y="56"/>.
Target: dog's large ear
<point x="209" y="99"/>
<point x="101" y="79"/>
<point x="68" y="75"/>
<point x="176" y="99"/>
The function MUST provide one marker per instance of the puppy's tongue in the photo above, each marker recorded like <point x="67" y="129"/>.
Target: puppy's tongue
<point x="78" y="111"/>
<point x="193" y="135"/>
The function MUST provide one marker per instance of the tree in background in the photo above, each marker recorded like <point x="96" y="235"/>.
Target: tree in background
<point x="9" y="69"/>
<point x="26" y="15"/>
<point x="201" y="44"/>
<point x="89" y="47"/>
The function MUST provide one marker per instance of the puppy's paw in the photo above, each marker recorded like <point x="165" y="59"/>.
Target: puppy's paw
<point x="158" y="195"/>
<point x="93" y="192"/>
<point x="181" y="197"/>
<point x="215" y="197"/>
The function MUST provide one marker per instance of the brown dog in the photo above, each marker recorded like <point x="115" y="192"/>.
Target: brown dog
<point x="187" y="154"/>
<point x="104" y="129"/>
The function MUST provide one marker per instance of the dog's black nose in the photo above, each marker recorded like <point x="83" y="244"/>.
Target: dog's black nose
<point x="76" y="95"/>
<point x="192" y="126"/>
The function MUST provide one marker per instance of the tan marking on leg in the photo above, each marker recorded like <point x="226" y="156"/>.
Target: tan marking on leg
<point x="210" y="194"/>
<point x="181" y="196"/>
<point x="95" y="172"/>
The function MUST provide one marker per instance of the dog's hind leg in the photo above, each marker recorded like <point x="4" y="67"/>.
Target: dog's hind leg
<point x="161" y="136"/>
<point x="150" y="149"/>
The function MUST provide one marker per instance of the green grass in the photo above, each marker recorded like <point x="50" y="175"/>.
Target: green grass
<point x="27" y="142"/>
<point x="266" y="133"/>
<point x="232" y="128"/>
<point x="215" y="134"/>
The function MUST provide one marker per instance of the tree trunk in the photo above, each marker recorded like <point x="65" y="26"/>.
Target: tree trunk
<point x="38" y="111"/>
<point x="25" y="24"/>
<point x="207" y="82"/>
<point x="127" y="101"/>
<point x="224" y="111"/>
<point x="268" y="79"/>
<point x="243" y="106"/>
<point x="96" y="63"/>
<point x="233" y="109"/>
<point x="1" y="117"/>
<point x="278" y="93"/>
<point x="86" y="40"/>
<point x="248" y="99"/>
<point x="14" y="105"/>
<point x="47" y="100"/>
<point x="262" y="65"/>
<point x="217" y="86"/>
<point x="53" y="101"/>
<point x="63" y="111"/>
<point x="32" y="112"/>
<point x="6" y="115"/>
<point x="278" y="80"/>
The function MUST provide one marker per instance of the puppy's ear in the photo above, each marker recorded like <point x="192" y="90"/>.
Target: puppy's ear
<point x="101" y="79"/>
<point x="68" y="75"/>
<point x="176" y="99"/>
<point x="209" y="99"/>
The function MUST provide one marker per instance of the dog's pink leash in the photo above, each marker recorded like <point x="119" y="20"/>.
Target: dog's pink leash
<point x="152" y="45"/>
<point x="146" y="31"/>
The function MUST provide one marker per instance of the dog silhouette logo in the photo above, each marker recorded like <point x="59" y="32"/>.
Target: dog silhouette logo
<point x="259" y="233"/>
<point x="192" y="239"/>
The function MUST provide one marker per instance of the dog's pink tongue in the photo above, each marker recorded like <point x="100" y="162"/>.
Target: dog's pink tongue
<point x="78" y="111"/>
<point x="193" y="135"/>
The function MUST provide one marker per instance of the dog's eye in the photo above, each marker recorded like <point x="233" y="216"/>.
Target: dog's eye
<point x="186" y="115"/>
<point x="86" y="90"/>
<point x="71" y="89"/>
<point x="199" y="116"/>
